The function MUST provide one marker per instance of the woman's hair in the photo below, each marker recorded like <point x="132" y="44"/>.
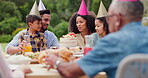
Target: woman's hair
<point x="32" y="18"/>
<point x="105" y="24"/>
<point x="89" y="22"/>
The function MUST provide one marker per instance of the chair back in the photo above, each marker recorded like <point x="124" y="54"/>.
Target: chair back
<point x="133" y="66"/>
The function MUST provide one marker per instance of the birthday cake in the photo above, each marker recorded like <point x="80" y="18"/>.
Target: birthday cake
<point x="69" y="40"/>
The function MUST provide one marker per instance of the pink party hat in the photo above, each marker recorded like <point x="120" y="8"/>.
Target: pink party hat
<point x="83" y="9"/>
<point x="128" y="0"/>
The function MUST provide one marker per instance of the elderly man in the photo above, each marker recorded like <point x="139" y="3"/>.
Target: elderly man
<point x="128" y="36"/>
<point x="52" y="40"/>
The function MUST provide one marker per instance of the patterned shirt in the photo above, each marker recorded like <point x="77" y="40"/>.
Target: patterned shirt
<point x="111" y="49"/>
<point x="50" y="37"/>
<point x="38" y="41"/>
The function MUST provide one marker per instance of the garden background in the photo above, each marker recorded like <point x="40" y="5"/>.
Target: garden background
<point x="13" y="13"/>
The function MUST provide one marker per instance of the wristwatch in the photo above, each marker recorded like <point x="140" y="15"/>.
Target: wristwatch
<point x="55" y="66"/>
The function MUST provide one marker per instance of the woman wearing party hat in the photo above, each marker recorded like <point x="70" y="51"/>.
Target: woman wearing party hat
<point x="82" y="24"/>
<point x="100" y="22"/>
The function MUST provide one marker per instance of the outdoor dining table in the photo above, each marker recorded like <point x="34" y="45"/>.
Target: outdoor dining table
<point x="40" y="71"/>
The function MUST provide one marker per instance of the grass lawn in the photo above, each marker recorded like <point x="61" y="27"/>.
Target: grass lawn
<point x="3" y="46"/>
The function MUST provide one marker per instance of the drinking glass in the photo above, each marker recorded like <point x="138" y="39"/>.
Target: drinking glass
<point x="28" y="47"/>
<point x="89" y="44"/>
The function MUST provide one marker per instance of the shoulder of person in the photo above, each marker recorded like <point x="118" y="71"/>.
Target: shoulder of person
<point x="48" y="32"/>
<point x="22" y="32"/>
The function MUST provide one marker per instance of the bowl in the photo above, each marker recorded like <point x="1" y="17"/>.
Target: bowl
<point x="20" y="59"/>
<point x="26" y="62"/>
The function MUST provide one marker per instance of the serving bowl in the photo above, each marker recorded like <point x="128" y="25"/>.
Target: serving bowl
<point x="19" y="59"/>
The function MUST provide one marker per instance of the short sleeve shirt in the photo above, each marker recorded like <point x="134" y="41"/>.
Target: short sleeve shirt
<point x="111" y="49"/>
<point x="38" y="41"/>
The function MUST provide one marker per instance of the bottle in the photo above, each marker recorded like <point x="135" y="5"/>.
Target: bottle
<point x="88" y="44"/>
<point x="28" y="47"/>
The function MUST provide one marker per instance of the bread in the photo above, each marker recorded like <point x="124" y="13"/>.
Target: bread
<point x="42" y="56"/>
<point x="65" y="54"/>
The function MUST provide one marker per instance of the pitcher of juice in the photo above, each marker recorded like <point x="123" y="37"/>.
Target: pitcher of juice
<point x="28" y="47"/>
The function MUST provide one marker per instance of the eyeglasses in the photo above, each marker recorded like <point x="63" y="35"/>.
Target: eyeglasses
<point x="108" y="17"/>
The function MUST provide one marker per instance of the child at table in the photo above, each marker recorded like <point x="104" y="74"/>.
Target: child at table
<point x="36" y="38"/>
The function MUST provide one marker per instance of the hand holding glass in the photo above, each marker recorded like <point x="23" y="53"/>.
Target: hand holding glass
<point x="28" y="47"/>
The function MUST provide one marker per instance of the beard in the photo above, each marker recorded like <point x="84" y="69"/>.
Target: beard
<point x="44" y="27"/>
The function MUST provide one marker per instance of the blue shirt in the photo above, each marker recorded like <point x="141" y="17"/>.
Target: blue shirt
<point x="50" y="37"/>
<point x="111" y="49"/>
<point x="95" y="37"/>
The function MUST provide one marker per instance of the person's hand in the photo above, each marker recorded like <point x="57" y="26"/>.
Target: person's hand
<point x="53" y="51"/>
<point x="26" y="69"/>
<point x="20" y="46"/>
<point x="51" y="60"/>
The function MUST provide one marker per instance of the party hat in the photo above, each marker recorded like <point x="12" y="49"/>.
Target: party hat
<point x="128" y="0"/>
<point x="34" y="10"/>
<point x="83" y="9"/>
<point x="102" y="11"/>
<point x="41" y="6"/>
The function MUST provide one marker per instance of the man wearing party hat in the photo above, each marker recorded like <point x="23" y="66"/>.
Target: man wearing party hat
<point x="46" y="17"/>
<point x="41" y="6"/>
<point x="37" y="39"/>
<point x="50" y="37"/>
<point x="82" y="24"/>
<point x="128" y="36"/>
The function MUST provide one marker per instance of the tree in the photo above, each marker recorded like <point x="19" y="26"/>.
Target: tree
<point x="9" y="9"/>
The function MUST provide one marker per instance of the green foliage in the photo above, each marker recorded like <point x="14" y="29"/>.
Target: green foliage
<point x="51" y="28"/>
<point x="5" y="38"/>
<point x="61" y="29"/>
<point x="17" y="30"/>
<point x="25" y="9"/>
<point x="54" y="20"/>
<point x="61" y="9"/>
<point x="9" y="25"/>
<point x="9" y="9"/>
<point x="13" y="13"/>
<point x="4" y="46"/>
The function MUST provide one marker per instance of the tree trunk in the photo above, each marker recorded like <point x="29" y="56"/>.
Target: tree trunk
<point x="88" y="4"/>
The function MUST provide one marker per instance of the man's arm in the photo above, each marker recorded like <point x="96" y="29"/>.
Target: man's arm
<point x="66" y="69"/>
<point x="70" y="70"/>
<point x="13" y="47"/>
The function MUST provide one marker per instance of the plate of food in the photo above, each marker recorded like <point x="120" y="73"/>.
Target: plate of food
<point x="33" y="56"/>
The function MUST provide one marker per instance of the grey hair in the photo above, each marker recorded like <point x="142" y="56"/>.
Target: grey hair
<point x="132" y="10"/>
